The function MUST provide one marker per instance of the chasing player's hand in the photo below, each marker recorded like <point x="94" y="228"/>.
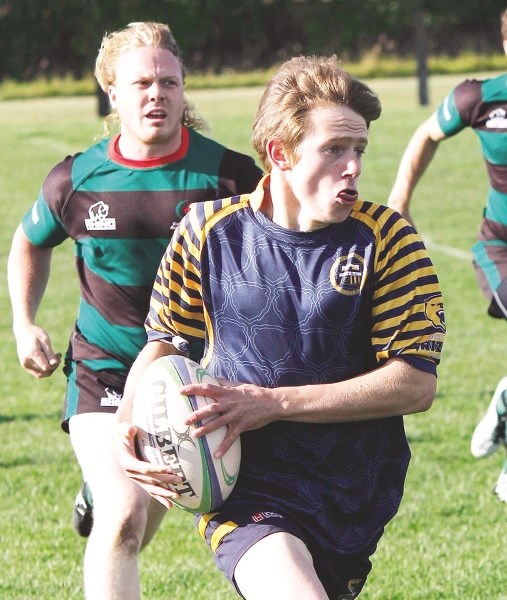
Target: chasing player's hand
<point x="35" y="352"/>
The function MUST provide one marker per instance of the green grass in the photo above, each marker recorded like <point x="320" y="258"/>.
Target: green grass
<point x="446" y="541"/>
<point x="371" y="65"/>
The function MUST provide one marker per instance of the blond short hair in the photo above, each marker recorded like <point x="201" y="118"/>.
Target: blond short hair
<point x="299" y="85"/>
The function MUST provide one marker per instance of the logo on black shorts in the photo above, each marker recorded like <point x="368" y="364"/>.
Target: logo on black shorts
<point x="113" y="398"/>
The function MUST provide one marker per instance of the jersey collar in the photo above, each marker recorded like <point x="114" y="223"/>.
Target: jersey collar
<point x="116" y="156"/>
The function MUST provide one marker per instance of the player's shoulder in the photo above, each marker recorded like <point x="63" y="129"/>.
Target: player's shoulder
<point x="481" y="90"/>
<point x="473" y="81"/>
<point x="495" y="88"/>
<point x="386" y="225"/>
<point x="75" y="167"/>
<point x="213" y="211"/>
<point x="378" y="215"/>
<point x="89" y="158"/>
<point x="198" y="140"/>
<point x="205" y="218"/>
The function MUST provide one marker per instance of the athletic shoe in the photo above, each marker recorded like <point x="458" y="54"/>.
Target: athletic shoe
<point x="501" y="484"/>
<point x="490" y="432"/>
<point x="83" y="511"/>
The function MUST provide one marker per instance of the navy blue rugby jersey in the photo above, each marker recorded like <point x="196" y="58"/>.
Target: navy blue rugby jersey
<point x="284" y="308"/>
<point x="121" y="215"/>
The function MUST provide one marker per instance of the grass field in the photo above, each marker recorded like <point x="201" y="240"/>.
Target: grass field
<point x="446" y="541"/>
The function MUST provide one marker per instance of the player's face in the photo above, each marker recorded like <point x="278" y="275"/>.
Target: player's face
<point x="324" y="179"/>
<point x="148" y="96"/>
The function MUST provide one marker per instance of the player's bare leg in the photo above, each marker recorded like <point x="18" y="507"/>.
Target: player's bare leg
<point x="279" y="567"/>
<point x="125" y="517"/>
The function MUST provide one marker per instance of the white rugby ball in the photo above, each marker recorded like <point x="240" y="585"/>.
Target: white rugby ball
<point x="164" y="439"/>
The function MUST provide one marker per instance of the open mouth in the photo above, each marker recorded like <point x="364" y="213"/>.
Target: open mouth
<point x="348" y="195"/>
<point x="156" y="115"/>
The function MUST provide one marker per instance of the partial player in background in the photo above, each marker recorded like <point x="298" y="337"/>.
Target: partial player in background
<point x="119" y="201"/>
<point x="328" y="311"/>
<point x="481" y="105"/>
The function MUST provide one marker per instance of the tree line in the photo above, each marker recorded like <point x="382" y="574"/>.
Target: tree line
<point x="48" y="38"/>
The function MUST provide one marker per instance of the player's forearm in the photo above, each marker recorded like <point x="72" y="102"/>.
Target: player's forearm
<point x="391" y="390"/>
<point x="412" y="168"/>
<point x="415" y="160"/>
<point x="28" y="269"/>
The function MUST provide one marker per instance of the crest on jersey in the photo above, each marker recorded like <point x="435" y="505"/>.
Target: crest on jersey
<point x="347" y="274"/>
<point x="434" y="311"/>
<point x="98" y="217"/>
<point x="497" y="119"/>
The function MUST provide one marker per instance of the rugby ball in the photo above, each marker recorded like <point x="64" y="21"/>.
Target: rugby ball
<point x="163" y="438"/>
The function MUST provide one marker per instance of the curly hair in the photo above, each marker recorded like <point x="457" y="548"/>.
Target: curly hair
<point x="139" y="35"/>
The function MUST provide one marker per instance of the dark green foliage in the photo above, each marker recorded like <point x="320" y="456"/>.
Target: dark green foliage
<point x="42" y="38"/>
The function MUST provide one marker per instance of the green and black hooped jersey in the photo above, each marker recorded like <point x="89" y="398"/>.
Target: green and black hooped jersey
<point x="121" y="215"/>
<point x="285" y="308"/>
<point x="482" y="105"/>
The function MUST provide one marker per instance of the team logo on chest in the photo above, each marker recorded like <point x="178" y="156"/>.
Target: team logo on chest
<point x="347" y="274"/>
<point x="497" y="119"/>
<point x="98" y="217"/>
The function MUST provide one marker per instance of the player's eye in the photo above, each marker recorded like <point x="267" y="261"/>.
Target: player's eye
<point x="170" y="83"/>
<point x="335" y="150"/>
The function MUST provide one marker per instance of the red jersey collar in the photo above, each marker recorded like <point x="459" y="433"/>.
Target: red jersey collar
<point x="114" y="153"/>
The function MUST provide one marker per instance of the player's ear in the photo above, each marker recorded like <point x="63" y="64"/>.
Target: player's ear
<point x="277" y="155"/>
<point x="111" y="92"/>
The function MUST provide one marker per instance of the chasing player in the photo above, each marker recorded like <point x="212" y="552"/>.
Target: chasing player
<point x="119" y="201"/>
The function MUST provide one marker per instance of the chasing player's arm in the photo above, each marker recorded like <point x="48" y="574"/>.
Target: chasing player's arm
<point x="414" y="162"/>
<point x="28" y="271"/>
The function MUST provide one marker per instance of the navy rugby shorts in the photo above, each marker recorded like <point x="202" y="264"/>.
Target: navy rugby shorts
<point x="229" y="534"/>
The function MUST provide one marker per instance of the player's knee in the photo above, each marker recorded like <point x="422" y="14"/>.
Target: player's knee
<point x="130" y="535"/>
<point x="124" y="530"/>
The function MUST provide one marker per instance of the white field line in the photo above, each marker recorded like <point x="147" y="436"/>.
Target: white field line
<point x="449" y="250"/>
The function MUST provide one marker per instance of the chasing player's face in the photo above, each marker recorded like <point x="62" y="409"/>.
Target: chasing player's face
<point x="324" y="179"/>
<point x="148" y="96"/>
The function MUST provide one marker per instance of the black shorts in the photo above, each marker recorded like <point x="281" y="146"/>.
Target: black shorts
<point x="230" y="534"/>
<point x="91" y="391"/>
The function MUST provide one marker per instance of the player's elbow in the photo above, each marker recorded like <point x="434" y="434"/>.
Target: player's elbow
<point x="426" y="392"/>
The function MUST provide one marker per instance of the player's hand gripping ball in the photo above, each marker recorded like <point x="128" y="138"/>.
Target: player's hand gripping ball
<point x="163" y="439"/>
